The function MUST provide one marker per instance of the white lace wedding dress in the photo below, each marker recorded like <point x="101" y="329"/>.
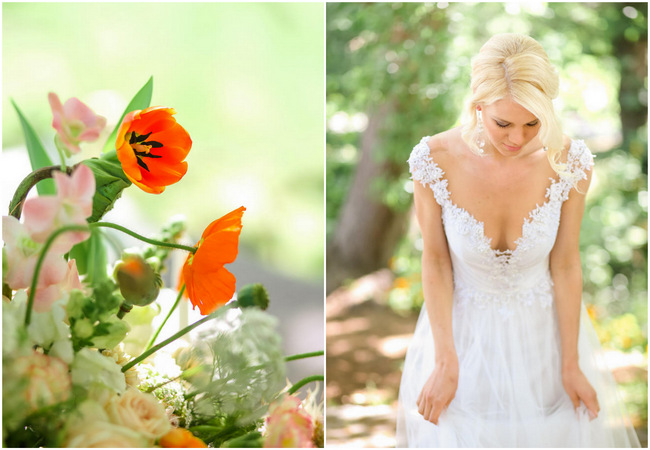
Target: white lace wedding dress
<point x="510" y="391"/>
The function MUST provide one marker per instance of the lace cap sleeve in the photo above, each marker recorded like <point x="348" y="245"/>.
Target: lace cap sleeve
<point x="421" y="166"/>
<point x="580" y="160"/>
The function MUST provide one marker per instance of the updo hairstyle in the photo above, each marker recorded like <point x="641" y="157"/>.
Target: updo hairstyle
<point x="516" y="65"/>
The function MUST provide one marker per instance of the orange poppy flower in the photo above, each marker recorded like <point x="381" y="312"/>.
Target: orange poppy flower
<point x="181" y="438"/>
<point x="151" y="147"/>
<point x="208" y="284"/>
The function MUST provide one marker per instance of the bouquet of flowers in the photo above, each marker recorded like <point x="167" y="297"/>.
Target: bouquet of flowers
<point x="71" y="318"/>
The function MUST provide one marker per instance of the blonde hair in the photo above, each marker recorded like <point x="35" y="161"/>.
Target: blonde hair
<point x="516" y="65"/>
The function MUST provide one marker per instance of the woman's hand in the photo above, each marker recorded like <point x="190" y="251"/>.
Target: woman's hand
<point x="579" y="389"/>
<point x="439" y="390"/>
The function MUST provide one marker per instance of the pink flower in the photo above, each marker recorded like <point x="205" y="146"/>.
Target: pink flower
<point x="72" y="204"/>
<point x="22" y="252"/>
<point x="288" y="425"/>
<point x="48" y="294"/>
<point x="74" y="122"/>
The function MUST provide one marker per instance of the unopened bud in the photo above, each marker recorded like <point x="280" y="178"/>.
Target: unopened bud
<point x="253" y="295"/>
<point x="138" y="282"/>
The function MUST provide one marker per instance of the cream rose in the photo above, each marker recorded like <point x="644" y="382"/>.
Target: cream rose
<point x="47" y="378"/>
<point x="98" y="434"/>
<point x="140" y="412"/>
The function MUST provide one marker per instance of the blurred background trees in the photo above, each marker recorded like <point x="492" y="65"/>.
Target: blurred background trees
<point x="400" y="71"/>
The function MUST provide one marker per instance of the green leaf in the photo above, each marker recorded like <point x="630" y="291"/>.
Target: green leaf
<point x="110" y="181"/>
<point x="141" y="100"/>
<point x="110" y="332"/>
<point x="90" y="256"/>
<point x="37" y="155"/>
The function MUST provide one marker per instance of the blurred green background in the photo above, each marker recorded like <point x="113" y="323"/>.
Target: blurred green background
<point x="400" y="71"/>
<point x="246" y="81"/>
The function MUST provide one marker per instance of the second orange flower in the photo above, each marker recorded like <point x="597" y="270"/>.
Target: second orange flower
<point x="207" y="283"/>
<point x="152" y="147"/>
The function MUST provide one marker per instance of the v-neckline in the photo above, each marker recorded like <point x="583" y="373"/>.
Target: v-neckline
<point x="487" y="241"/>
<point x="527" y="220"/>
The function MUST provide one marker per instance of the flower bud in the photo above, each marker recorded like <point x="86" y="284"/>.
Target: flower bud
<point x="253" y="295"/>
<point x="138" y="282"/>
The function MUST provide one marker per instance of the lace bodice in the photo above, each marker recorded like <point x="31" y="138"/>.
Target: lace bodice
<point x="482" y="275"/>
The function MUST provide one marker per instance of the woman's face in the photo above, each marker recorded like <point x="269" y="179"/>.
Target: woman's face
<point x="509" y="127"/>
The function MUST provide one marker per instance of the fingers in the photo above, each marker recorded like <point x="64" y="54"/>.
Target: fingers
<point x="591" y="403"/>
<point x="574" y="399"/>
<point x="429" y="409"/>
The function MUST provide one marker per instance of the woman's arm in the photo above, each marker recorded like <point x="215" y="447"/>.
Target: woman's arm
<point x="437" y="286"/>
<point x="566" y="273"/>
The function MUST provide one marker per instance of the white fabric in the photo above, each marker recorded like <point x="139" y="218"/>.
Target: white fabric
<point x="510" y="391"/>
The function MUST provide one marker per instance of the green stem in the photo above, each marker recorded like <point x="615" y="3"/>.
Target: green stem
<point x="142" y="238"/>
<point x="39" y="264"/>
<point x="304" y="355"/>
<point x="304" y="381"/>
<point x="184" y="331"/>
<point x="61" y="155"/>
<point x="155" y="336"/>
<point x="56" y="233"/>
<point x="16" y="205"/>
<point x="125" y="308"/>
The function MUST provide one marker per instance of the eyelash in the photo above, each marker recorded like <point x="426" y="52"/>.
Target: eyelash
<point x="506" y="125"/>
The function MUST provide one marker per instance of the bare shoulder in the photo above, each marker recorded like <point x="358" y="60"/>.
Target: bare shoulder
<point x="442" y="146"/>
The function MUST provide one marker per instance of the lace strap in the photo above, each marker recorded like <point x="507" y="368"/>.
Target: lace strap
<point x="422" y="166"/>
<point x="579" y="161"/>
<point x="424" y="169"/>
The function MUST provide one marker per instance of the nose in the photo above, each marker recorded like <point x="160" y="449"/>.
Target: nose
<point x="516" y="136"/>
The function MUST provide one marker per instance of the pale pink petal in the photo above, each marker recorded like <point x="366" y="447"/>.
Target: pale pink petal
<point x="57" y="111"/>
<point x="72" y="278"/>
<point x="12" y="229"/>
<point x="45" y="297"/>
<point x="53" y="270"/>
<point x="19" y="271"/>
<point x="74" y="122"/>
<point x="40" y="216"/>
<point x="83" y="183"/>
<point x="90" y="134"/>
<point x="64" y="184"/>
<point x="75" y="109"/>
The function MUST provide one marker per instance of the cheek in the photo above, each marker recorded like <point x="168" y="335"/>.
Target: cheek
<point x="532" y="133"/>
<point x="494" y="132"/>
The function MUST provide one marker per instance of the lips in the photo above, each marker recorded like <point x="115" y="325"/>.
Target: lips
<point x="512" y="149"/>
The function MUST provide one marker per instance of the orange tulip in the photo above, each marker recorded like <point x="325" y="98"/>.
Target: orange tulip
<point x="208" y="284"/>
<point x="151" y="147"/>
<point x="181" y="438"/>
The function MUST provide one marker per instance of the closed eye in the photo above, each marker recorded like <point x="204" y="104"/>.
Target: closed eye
<point x="505" y="125"/>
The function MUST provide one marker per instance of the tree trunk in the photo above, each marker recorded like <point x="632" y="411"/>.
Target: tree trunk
<point x="368" y="230"/>
<point x="634" y="68"/>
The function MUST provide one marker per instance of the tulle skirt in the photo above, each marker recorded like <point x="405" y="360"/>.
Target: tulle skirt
<point x="510" y="391"/>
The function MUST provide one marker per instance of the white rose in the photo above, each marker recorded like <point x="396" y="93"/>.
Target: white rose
<point x="140" y="412"/>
